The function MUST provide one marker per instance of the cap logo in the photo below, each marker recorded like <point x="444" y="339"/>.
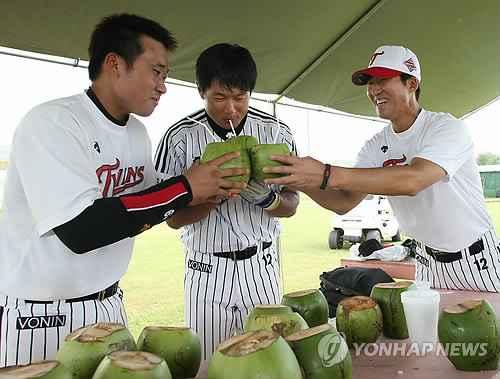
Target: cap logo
<point x="410" y="64"/>
<point x="374" y="56"/>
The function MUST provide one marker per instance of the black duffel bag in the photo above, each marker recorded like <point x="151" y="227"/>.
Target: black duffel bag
<point x="345" y="282"/>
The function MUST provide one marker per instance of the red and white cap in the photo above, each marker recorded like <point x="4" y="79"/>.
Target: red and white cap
<point x="388" y="62"/>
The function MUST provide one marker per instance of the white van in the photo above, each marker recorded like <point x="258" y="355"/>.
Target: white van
<point x="371" y="219"/>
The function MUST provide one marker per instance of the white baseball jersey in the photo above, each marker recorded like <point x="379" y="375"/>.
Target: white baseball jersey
<point x="66" y="154"/>
<point x="235" y="224"/>
<point x="451" y="214"/>
<point x="219" y="293"/>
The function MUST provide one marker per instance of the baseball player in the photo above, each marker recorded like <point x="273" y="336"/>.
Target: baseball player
<point x="231" y="261"/>
<point x="80" y="185"/>
<point x="424" y="161"/>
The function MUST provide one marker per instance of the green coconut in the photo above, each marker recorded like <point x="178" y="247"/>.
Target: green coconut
<point x="83" y="349"/>
<point x="388" y="297"/>
<point x="245" y="142"/>
<point x="132" y="365"/>
<point x="470" y="335"/>
<point x="260" y="156"/>
<point x="254" y="355"/>
<point x="215" y="149"/>
<point x="310" y="304"/>
<point x="38" y="370"/>
<point x="275" y="317"/>
<point x="322" y="353"/>
<point x="359" y="319"/>
<point x="178" y="346"/>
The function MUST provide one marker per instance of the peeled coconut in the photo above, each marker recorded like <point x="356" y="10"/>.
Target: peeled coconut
<point x="388" y="297"/>
<point x="83" y="349"/>
<point x="470" y="335"/>
<point x="310" y="304"/>
<point x="215" y="149"/>
<point x="132" y="365"/>
<point x="359" y="319"/>
<point x="178" y="346"/>
<point x="38" y="370"/>
<point x="277" y="318"/>
<point x="322" y="353"/>
<point x="254" y="355"/>
<point x="260" y="156"/>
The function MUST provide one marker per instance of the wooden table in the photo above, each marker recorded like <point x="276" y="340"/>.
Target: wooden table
<point x="429" y="366"/>
<point x="401" y="270"/>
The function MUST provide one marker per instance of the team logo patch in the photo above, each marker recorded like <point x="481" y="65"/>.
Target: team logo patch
<point x="374" y="56"/>
<point x="394" y="162"/>
<point x="38" y="322"/>
<point x="200" y="266"/>
<point x="384" y="148"/>
<point x="96" y="147"/>
<point x="168" y="213"/>
<point x="410" y="64"/>
<point x="115" y="179"/>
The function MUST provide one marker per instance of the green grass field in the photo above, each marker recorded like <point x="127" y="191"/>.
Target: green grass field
<point x="154" y="283"/>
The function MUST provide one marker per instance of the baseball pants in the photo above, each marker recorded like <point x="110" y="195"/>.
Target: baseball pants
<point x="219" y="293"/>
<point x="31" y="332"/>
<point x="474" y="268"/>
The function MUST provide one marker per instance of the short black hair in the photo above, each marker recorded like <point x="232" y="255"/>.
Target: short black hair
<point x="405" y="77"/>
<point x="121" y="34"/>
<point x="229" y="64"/>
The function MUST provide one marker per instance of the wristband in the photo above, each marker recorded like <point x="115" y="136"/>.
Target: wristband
<point x="275" y="204"/>
<point x="326" y="176"/>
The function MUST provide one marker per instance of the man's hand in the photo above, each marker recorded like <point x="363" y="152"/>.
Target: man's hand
<point x="303" y="173"/>
<point x="208" y="182"/>
<point x="259" y="194"/>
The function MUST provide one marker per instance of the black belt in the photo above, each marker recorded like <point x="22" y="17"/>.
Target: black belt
<point x="101" y="295"/>
<point x="448" y="257"/>
<point x="242" y="254"/>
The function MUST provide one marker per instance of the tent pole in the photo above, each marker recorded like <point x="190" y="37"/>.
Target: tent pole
<point x="79" y="63"/>
<point x="75" y="62"/>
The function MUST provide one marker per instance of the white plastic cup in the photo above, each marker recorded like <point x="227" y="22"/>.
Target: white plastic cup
<point x="421" y="306"/>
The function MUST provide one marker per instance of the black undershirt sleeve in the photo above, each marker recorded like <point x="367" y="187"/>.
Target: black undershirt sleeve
<point x="112" y="219"/>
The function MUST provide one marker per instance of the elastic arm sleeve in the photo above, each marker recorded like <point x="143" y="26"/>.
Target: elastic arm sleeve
<point x="112" y="219"/>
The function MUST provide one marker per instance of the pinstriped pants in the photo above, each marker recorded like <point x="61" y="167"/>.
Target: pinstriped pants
<point x="219" y="293"/>
<point x="33" y="332"/>
<point x="477" y="270"/>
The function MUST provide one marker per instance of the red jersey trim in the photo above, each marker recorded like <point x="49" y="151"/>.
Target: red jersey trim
<point x="155" y="199"/>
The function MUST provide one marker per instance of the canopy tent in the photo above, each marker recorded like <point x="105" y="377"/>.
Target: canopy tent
<point x="305" y="50"/>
